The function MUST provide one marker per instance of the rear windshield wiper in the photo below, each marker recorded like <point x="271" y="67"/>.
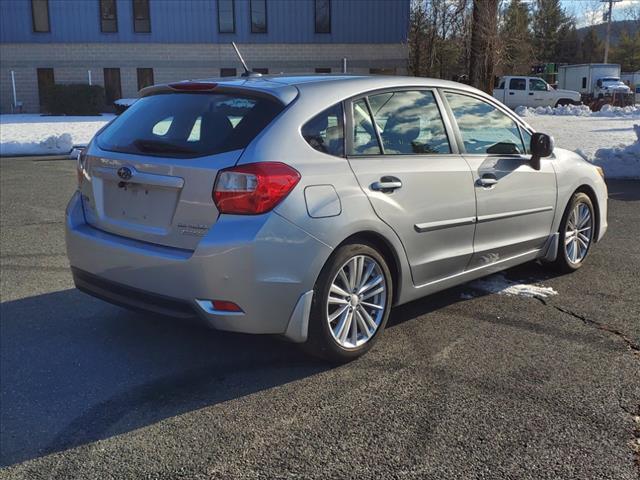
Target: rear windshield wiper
<point x="158" y="146"/>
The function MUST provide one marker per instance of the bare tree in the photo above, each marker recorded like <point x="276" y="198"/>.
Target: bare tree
<point x="438" y="37"/>
<point x="484" y="36"/>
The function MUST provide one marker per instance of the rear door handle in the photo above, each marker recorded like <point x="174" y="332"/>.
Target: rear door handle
<point x="487" y="180"/>
<point x="386" y="184"/>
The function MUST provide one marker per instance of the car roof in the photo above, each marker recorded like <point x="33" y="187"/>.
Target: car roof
<point x="287" y="87"/>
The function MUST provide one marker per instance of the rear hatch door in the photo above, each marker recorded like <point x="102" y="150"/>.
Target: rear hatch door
<point x="150" y="174"/>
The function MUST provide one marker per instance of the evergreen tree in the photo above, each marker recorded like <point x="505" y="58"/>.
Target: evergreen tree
<point x="568" y="48"/>
<point x="518" y="47"/>
<point x="627" y="52"/>
<point x="592" y="48"/>
<point x="548" y="19"/>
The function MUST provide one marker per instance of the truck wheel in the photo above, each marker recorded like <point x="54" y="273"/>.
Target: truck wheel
<point x="563" y="102"/>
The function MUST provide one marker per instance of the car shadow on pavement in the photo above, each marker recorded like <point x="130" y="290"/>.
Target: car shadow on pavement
<point x="75" y="370"/>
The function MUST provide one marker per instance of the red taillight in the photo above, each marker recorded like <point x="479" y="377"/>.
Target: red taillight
<point x="193" y="86"/>
<point x="253" y="188"/>
<point x="225" y="306"/>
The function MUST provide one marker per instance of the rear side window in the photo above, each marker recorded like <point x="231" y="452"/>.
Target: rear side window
<point x="518" y="84"/>
<point x="325" y="131"/>
<point x="409" y="123"/>
<point x="185" y="125"/>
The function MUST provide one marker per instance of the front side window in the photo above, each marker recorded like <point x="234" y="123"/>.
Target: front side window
<point x="226" y="16"/>
<point x="409" y="123"/>
<point x="258" y="16"/>
<point x="40" y="16"/>
<point x="108" y="16"/>
<point x="323" y="16"/>
<point x="483" y="127"/>
<point x="325" y="131"/>
<point x="518" y="84"/>
<point x="537" y="85"/>
<point x="141" y="16"/>
<point x="526" y="139"/>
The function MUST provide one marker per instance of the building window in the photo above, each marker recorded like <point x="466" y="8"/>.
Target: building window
<point x="258" y="16"/>
<point x="141" y="16"/>
<point x="226" y="16"/>
<point x="382" y="71"/>
<point x="323" y="70"/>
<point x="228" y="72"/>
<point x="108" y="16"/>
<point x="40" y="16"/>
<point x="263" y="71"/>
<point x="145" y="77"/>
<point x="323" y="16"/>
<point x="112" y="85"/>
<point x="46" y="80"/>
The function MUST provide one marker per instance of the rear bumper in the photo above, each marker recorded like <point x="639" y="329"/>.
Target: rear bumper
<point x="262" y="263"/>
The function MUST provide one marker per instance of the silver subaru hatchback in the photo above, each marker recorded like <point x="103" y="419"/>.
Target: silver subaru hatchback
<point x="307" y="207"/>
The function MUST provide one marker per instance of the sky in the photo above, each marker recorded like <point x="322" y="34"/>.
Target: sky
<point x="588" y="12"/>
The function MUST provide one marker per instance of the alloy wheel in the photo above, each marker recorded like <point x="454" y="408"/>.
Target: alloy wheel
<point x="578" y="234"/>
<point x="356" y="302"/>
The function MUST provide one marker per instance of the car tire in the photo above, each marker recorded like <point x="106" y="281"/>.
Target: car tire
<point x="334" y="340"/>
<point x="576" y="234"/>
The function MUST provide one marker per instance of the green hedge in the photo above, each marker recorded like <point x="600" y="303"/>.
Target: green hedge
<point x="74" y="99"/>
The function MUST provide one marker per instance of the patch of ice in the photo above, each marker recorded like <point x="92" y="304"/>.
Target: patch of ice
<point x="500" y="284"/>
<point x="466" y="296"/>
<point x="620" y="162"/>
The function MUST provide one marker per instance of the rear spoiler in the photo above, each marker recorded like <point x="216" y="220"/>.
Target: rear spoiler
<point x="259" y="87"/>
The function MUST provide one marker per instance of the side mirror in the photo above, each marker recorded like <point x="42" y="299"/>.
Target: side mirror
<point x="541" y="146"/>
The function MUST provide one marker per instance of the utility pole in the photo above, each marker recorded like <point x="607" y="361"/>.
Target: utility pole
<point x="608" y="37"/>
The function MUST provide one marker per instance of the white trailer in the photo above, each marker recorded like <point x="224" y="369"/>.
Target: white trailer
<point x="595" y="81"/>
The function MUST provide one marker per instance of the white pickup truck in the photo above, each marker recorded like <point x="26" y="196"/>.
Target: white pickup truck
<point x="532" y="92"/>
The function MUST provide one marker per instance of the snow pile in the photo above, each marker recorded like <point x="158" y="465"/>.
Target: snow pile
<point x="580" y="111"/>
<point x="53" y="144"/>
<point x="125" y="102"/>
<point x="620" y="162"/>
<point x="33" y="134"/>
<point x="499" y="283"/>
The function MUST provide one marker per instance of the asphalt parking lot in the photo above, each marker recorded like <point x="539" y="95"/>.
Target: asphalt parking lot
<point x="490" y="387"/>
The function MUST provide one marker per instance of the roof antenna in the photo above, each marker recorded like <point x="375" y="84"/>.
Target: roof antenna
<point x="247" y="72"/>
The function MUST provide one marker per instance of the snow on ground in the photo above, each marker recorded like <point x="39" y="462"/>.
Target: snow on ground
<point x="609" y="142"/>
<point x="500" y="284"/>
<point x="632" y="111"/>
<point x="33" y="134"/>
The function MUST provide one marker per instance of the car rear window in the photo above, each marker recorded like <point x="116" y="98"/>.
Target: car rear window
<point x="186" y="125"/>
